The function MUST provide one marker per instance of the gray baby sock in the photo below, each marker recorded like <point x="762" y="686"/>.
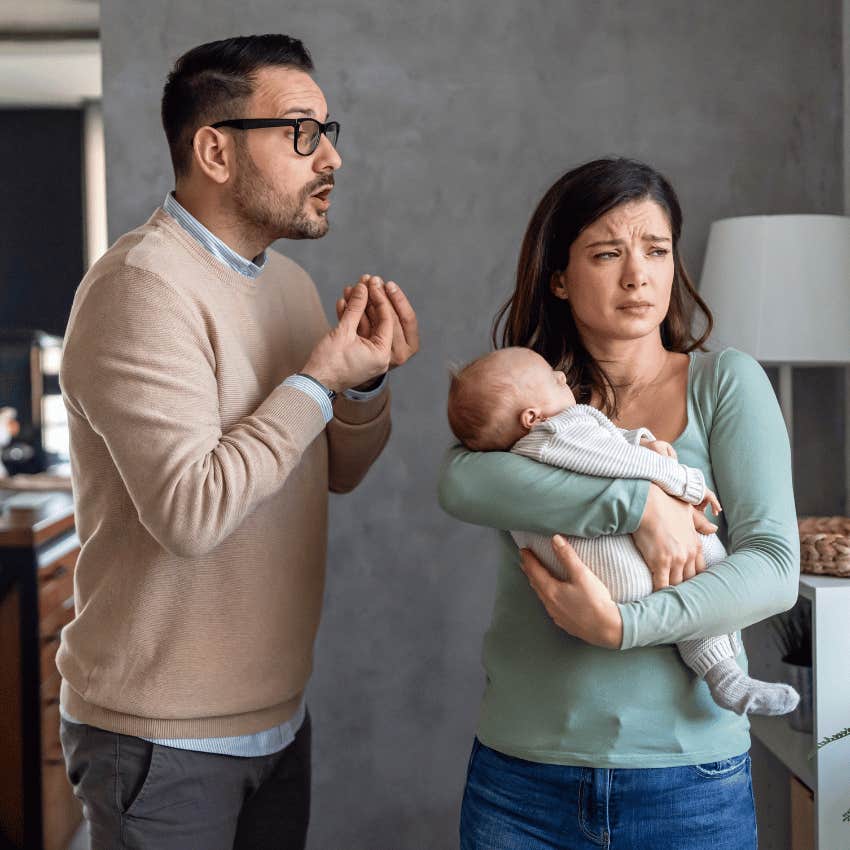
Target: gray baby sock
<point x="733" y="689"/>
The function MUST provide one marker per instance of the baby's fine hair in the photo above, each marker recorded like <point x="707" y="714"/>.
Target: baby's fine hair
<point x="474" y="405"/>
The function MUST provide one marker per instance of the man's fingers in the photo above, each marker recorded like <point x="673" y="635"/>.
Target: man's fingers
<point x="699" y="561"/>
<point x="405" y="312"/>
<point x="340" y="308"/>
<point x="355" y="308"/>
<point x="382" y="324"/>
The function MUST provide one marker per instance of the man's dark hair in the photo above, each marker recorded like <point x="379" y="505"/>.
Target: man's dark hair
<point x="213" y="81"/>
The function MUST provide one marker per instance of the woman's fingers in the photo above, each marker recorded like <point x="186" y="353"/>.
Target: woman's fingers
<point x="677" y="572"/>
<point x="702" y="523"/>
<point x="580" y="604"/>
<point x="661" y="575"/>
<point x="573" y="566"/>
<point x="540" y="579"/>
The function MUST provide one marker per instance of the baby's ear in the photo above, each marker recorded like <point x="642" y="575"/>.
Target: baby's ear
<point x="529" y="417"/>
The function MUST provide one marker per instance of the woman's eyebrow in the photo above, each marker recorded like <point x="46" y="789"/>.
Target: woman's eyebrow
<point x="619" y="242"/>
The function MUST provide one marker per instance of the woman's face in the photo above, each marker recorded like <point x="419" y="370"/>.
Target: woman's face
<point x="620" y="273"/>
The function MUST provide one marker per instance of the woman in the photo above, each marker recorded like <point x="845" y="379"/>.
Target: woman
<point x="592" y="732"/>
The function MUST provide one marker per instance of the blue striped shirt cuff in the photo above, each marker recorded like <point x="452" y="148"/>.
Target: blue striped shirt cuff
<point x="299" y="382"/>
<point x="368" y="395"/>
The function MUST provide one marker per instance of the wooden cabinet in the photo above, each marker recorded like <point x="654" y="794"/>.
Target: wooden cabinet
<point x="38" y="554"/>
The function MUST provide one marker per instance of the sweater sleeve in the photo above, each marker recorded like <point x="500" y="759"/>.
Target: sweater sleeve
<point x="139" y="368"/>
<point x="509" y="492"/>
<point x="583" y="439"/>
<point x="751" y="465"/>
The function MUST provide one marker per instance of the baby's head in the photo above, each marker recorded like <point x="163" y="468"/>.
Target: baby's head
<point x="498" y="398"/>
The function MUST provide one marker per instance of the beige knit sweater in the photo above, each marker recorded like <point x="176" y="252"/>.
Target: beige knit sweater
<point x="200" y="487"/>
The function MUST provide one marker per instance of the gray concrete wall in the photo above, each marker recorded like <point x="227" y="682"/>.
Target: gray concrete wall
<point x="455" y="118"/>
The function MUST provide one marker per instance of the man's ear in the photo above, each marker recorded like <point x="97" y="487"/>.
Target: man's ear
<point x="557" y="285"/>
<point x="529" y="417"/>
<point x="214" y="154"/>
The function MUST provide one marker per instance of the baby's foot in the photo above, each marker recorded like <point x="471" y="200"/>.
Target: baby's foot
<point x="733" y="689"/>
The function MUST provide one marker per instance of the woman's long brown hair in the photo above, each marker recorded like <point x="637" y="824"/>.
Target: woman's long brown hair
<point x="533" y="317"/>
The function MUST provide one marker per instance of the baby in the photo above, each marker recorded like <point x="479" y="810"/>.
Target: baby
<point x="513" y="400"/>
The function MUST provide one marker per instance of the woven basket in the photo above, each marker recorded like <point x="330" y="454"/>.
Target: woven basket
<point x="825" y="545"/>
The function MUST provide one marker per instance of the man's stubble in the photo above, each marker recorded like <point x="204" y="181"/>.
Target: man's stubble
<point x="263" y="211"/>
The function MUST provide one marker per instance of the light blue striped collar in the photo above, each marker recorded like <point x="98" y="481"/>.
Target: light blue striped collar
<point x="249" y="268"/>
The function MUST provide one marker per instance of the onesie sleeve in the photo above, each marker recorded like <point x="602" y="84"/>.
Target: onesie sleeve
<point x="582" y="439"/>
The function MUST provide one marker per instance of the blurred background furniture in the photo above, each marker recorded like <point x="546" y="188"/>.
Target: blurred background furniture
<point x="38" y="553"/>
<point x="779" y="289"/>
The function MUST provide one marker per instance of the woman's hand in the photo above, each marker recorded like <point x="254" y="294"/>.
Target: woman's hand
<point x="667" y="538"/>
<point x="580" y="604"/>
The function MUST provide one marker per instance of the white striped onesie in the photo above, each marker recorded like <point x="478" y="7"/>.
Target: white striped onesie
<point x="584" y="440"/>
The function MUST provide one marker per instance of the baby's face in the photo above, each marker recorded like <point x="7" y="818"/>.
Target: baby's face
<point x="539" y="386"/>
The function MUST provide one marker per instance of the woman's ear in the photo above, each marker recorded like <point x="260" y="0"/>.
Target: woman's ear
<point x="558" y="287"/>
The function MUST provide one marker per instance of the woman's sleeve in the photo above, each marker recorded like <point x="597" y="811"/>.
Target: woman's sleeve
<point x="751" y="465"/>
<point x="514" y="493"/>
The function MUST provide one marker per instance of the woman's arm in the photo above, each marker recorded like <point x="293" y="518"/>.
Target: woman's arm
<point x="751" y="464"/>
<point x="505" y="491"/>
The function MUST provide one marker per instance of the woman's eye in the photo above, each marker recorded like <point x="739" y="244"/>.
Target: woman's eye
<point x="659" y="252"/>
<point x="605" y="255"/>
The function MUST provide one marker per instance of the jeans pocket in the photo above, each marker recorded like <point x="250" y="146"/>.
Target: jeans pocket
<point x="136" y="762"/>
<point x="722" y="769"/>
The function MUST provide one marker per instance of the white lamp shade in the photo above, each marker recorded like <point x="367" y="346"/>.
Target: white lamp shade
<point x="779" y="286"/>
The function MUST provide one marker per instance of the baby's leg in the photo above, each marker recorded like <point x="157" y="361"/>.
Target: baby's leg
<point x="614" y="559"/>
<point x="714" y="659"/>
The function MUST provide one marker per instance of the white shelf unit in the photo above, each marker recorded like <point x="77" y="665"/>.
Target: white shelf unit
<point x="827" y="772"/>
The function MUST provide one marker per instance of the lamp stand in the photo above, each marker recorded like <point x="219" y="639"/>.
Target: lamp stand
<point x="846" y="441"/>
<point x="786" y="400"/>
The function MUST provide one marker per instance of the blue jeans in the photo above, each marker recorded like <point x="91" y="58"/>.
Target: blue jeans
<point x="512" y="804"/>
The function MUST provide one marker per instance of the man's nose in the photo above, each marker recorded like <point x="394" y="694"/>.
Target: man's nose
<point x="326" y="157"/>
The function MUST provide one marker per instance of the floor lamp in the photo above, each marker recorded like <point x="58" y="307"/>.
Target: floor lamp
<point x="779" y="289"/>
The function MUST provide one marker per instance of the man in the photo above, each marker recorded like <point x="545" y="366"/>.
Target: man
<point x="200" y="379"/>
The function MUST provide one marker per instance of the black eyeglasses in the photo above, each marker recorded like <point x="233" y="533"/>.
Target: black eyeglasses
<point x="308" y="131"/>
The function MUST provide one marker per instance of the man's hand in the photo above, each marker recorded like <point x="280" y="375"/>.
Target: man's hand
<point x="661" y="447"/>
<point x="343" y="358"/>
<point x="580" y="604"/>
<point x="405" y="326"/>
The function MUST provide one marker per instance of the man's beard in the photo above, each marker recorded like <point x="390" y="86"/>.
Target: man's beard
<point x="262" y="211"/>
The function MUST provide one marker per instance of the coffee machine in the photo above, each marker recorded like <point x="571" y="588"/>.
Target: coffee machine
<point x="29" y="382"/>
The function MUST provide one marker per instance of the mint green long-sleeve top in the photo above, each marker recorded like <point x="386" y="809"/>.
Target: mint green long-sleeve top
<point x="553" y="698"/>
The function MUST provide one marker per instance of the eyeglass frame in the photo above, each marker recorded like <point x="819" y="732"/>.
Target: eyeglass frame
<point x="260" y="123"/>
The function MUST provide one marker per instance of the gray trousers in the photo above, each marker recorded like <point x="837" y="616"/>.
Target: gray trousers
<point x="142" y="796"/>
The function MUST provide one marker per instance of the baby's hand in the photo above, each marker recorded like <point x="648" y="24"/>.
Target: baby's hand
<point x="660" y="447"/>
<point x="710" y="500"/>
